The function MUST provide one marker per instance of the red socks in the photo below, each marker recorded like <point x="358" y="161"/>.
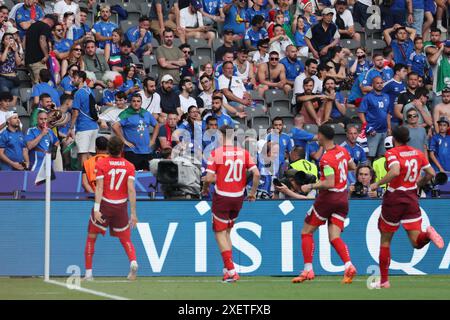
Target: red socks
<point x="307" y="248"/>
<point x="341" y="248"/>
<point x="422" y="240"/>
<point x="89" y="252"/>
<point x="227" y="257"/>
<point x="129" y="248"/>
<point x="385" y="261"/>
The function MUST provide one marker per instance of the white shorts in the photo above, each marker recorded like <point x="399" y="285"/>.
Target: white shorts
<point x="85" y="141"/>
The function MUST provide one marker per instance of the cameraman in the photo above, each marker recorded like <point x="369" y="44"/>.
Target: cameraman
<point x="290" y="186"/>
<point x="365" y="176"/>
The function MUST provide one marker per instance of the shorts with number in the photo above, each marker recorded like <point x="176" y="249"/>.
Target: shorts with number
<point x="225" y="211"/>
<point x="116" y="218"/>
<point x="400" y="207"/>
<point x="329" y="206"/>
<point x="85" y="140"/>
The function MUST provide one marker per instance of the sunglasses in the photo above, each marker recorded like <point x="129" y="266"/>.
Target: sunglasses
<point x="265" y="47"/>
<point x="59" y="30"/>
<point x="77" y="49"/>
<point x="412" y="116"/>
<point x="274" y="59"/>
<point x="189" y="52"/>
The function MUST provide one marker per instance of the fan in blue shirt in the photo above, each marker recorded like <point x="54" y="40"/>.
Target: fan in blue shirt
<point x="284" y="140"/>
<point x="402" y="45"/>
<point x="439" y="147"/>
<point x="354" y="149"/>
<point x="44" y="87"/>
<point x="375" y="106"/>
<point x="81" y="103"/>
<point x="217" y="112"/>
<point x="104" y="28"/>
<point x="394" y="87"/>
<point x="378" y="70"/>
<point x="12" y="143"/>
<point x="301" y="137"/>
<point x="134" y="34"/>
<point x="257" y="10"/>
<point x="235" y="17"/>
<point x="23" y="14"/>
<point x="293" y="66"/>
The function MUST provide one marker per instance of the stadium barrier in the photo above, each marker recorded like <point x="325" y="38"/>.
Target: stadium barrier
<point x="175" y="238"/>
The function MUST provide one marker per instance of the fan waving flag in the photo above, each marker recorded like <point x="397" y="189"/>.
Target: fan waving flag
<point x="40" y="177"/>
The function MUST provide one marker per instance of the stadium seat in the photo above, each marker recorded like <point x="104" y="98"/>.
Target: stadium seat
<point x="204" y="51"/>
<point x="176" y="42"/>
<point x="25" y="120"/>
<point x="145" y="7"/>
<point x="373" y="34"/>
<point x="260" y="122"/>
<point x="339" y="138"/>
<point x="98" y="93"/>
<point x="112" y="2"/>
<point x="155" y="43"/>
<point x="337" y="128"/>
<point x="375" y="44"/>
<point x="240" y="126"/>
<point x="149" y="62"/>
<point x="217" y="42"/>
<point x="25" y="96"/>
<point x="313" y="128"/>
<point x="358" y="27"/>
<point x="280" y="108"/>
<point x="240" y="120"/>
<point x="125" y="25"/>
<point x="273" y="94"/>
<point x="351" y="113"/>
<point x="350" y="44"/>
<point x="254" y="112"/>
<point x="197" y="61"/>
<point x="288" y="123"/>
<point x="134" y="12"/>
<point x="197" y="43"/>
<point x="256" y="97"/>
<point x="21" y="111"/>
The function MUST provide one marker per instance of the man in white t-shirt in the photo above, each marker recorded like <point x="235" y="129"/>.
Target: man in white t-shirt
<point x="187" y="87"/>
<point x="111" y="115"/>
<point x="342" y="17"/>
<point x="232" y="87"/>
<point x="191" y="20"/>
<point x="5" y="101"/>
<point x="310" y="72"/>
<point x="64" y="6"/>
<point x="151" y="100"/>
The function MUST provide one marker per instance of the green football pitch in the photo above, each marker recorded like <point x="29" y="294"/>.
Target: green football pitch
<point x="211" y="288"/>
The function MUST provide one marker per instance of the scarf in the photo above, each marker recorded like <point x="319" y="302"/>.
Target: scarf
<point x="128" y="112"/>
<point x="443" y="74"/>
<point x="33" y="12"/>
<point x="169" y="134"/>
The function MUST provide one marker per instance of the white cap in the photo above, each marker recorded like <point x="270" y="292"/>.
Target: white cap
<point x="327" y="11"/>
<point x="10" y="28"/>
<point x="166" y="78"/>
<point x="10" y="114"/>
<point x="388" y="142"/>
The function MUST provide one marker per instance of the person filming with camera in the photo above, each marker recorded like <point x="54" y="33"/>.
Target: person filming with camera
<point x="291" y="185"/>
<point x="365" y="176"/>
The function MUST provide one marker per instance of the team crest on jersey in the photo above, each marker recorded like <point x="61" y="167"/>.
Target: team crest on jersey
<point x="141" y="128"/>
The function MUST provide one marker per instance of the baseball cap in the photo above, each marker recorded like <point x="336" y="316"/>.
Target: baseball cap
<point x="446" y="89"/>
<point x="196" y="4"/>
<point x="10" y="114"/>
<point x="444" y="119"/>
<point x="447" y="43"/>
<point x="388" y="143"/>
<point x="228" y="31"/>
<point x="341" y="2"/>
<point x="166" y="78"/>
<point x="327" y="11"/>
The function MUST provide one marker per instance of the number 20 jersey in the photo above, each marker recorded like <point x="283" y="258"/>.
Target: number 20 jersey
<point x="115" y="173"/>
<point x="230" y="165"/>
<point x="336" y="159"/>
<point x="411" y="162"/>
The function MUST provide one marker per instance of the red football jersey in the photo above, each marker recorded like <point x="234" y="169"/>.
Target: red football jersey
<point x="411" y="161"/>
<point x="230" y="164"/>
<point x="336" y="159"/>
<point x="115" y="173"/>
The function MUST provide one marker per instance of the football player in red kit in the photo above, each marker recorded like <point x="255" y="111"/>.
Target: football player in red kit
<point x="227" y="168"/>
<point x="114" y="186"/>
<point x="331" y="205"/>
<point x="400" y="202"/>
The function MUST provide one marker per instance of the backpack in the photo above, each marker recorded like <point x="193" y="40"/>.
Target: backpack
<point x="93" y="112"/>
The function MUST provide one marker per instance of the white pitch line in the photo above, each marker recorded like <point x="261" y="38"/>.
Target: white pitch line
<point x="93" y="292"/>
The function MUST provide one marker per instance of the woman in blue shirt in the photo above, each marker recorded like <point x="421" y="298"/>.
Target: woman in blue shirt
<point x="67" y="81"/>
<point x="131" y="82"/>
<point x="361" y="64"/>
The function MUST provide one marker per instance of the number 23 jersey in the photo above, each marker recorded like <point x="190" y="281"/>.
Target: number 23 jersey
<point x="115" y="173"/>
<point x="230" y="165"/>
<point x="411" y="162"/>
<point x="335" y="161"/>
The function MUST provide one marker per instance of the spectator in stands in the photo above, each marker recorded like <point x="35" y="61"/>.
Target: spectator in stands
<point x="373" y="114"/>
<point x="361" y="64"/>
<point x="45" y="104"/>
<point x="166" y="131"/>
<point x="63" y="6"/>
<point x="227" y="56"/>
<point x="40" y="140"/>
<point x="306" y="10"/>
<point x="440" y="146"/>
<point x="217" y="112"/>
<point x="206" y="69"/>
<point x="191" y="20"/>
<point x="187" y="87"/>
<point x="365" y="175"/>
<point x="13" y="150"/>
<point x="188" y="69"/>
<point x="88" y="177"/>
<point x="282" y="139"/>
<point x="82" y="31"/>
<point x="5" y="101"/>
<point x="133" y="130"/>
<point x="206" y="84"/>
<point x="169" y="58"/>
<point x="4" y="12"/>
<point x="259" y="7"/>
<point x="393" y="88"/>
<point x="233" y="88"/>
<point x="378" y="70"/>
<point x="228" y="45"/>
<point x="190" y="128"/>
<point x="334" y="107"/>
<point x="417" y="134"/>
<point x="338" y="64"/>
<point x="407" y="96"/>
<point x="170" y="101"/>
<point x="394" y="12"/>
<point x="212" y="12"/>
<point x="108" y="96"/>
<point x="10" y="60"/>
<point x="402" y="45"/>
<point x="300" y="136"/>
<point x="323" y="36"/>
<point x="420" y="105"/>
<point x="343" y="19"/>
<point x="126" y="58"/>
<point x="86" y="126"/>
<point x="434" y="44"/>
<point x="298" y="162"/>
<point x="310" y="104"/>
<point x="417" y="60"/>
<point x="111" y="115"/>
<point x="94" y="62"/>
<point x="151" y="100"/>
<point x="245" y="70"/>
<point x="292" y="65"/>
<point x="294" y="190"/>
<point x="131" y="83"/>
<point x="235" y="17"/>
<point x="112" y="50"/>
<point x="255" y="33"/>
<point x="103" y="29"/>
<point x="354" y="149"/>
<point x="161" y="20"/>
<point x="310" y="72"/>
<point x="443" y="108"/>
<point x="75" y="57"/>
<point x="27" y="15"/>
<point x="44" y="87"/>
<point x="67" y="80"/>
<point x="61" y="45"/>
<point x="440" y="66"/>
<point x="37" y="52"/>
<point x="272" y="75"/>
<point x="262" y="55"/>
<point x="141" y="37"/>
<point x="360" y="13"/>
<point x="299" y="37"/>
<point x="280" y="41"/>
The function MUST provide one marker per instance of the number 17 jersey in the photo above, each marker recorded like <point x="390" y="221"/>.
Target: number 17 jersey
<point x="230" y="165"/>
<point x="115" y="173"/>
